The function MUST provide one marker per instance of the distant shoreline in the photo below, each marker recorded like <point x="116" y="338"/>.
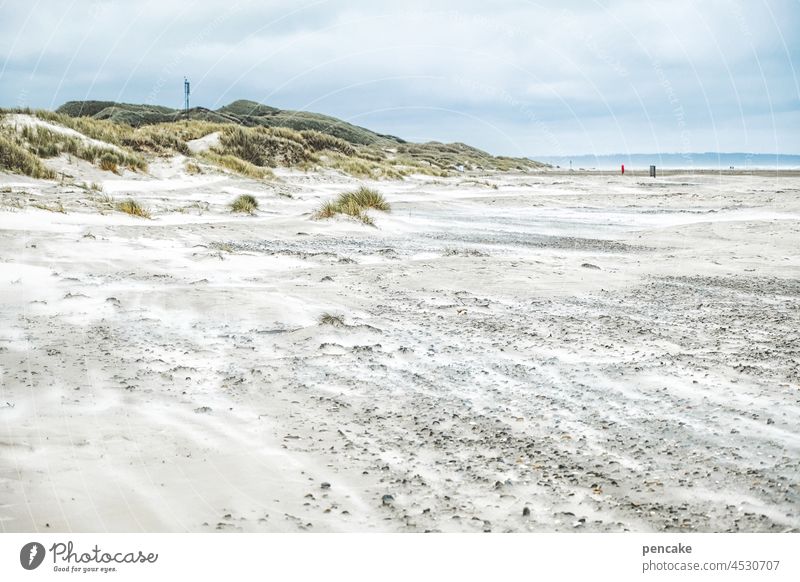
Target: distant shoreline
<point x="776" y="172"/>
<point x="698" y="161"/>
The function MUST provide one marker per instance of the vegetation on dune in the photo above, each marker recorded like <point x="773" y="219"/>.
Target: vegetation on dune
<point x="242" y="112"/>
<point x="132" y="207"/>
<point x="319" y="141"/>
<point x="94" y="108"/>
<point x="46" y="143"/>
<point x="236" y="165"/>
<point x="108" y="163"/>
<point x="161" y="138"/>
<point x="245" y="108"/>
<point x="245" y="203"/>
<point x="281" y="146"/>
<point x="458" y="156"/>
<point x="354" y="204"/>
<point x="253" y="138"/>
<point x="432" y="157"/>
<point x="269" y="147"/>
<point x="16" y="158"/>
<point x="187" y="130"/>
<point x="366" y="198"/>
<point x="138" y="115"/>
<point x="361" y="167"/>
<point x="192" y="169"/>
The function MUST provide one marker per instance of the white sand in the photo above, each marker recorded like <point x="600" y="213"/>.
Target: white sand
<point x="171" y="374"/>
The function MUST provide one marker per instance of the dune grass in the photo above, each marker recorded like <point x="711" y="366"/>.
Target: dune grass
<point x="192" y="169"/>
<point x="264" y="146"/>
<point x="108" y="163"/>
<point x="15" y="158"/>
<point x="159" y="138"/>
<point x="360" y="166"/>
<point x="132" y="207"/>
<point x="354" y="204"/>
<point x="236" y="165"/>
<point x="46" y="143"/>
<point x="245" y="203"/>
<point x="318" y="141"/>
<point x="368" y="198"/>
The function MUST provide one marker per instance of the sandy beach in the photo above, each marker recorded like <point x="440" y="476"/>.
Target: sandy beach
<point x="537" y="352"/>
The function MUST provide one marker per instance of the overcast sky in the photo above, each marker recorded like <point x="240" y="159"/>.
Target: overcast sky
<point x="511" y="76"/>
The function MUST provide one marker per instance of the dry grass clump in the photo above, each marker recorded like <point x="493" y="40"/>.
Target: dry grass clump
<point x="192" y="169"/>
<point x="327" y="210"/>
<point x="14" y="157"/>
<point x="368" y="198"/>
<point x="245" y="203"/>
<point x="355" y="204"/>
<point x="330" y="319"/>
<point x="132" y="207"/>
<point x="108" y="163"/>
<point x="237" y="165"/>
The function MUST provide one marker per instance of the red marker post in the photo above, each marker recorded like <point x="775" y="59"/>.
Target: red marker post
<point x="623" y="169"/>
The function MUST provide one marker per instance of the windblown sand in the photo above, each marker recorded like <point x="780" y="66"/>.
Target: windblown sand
<point x="518" y="353"/>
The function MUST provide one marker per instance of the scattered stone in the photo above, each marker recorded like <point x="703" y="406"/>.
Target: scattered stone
<point x="590" y="266"/>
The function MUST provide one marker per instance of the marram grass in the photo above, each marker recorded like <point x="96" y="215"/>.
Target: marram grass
<point x="132" y="207"/>
<point x="245" y="203"/>
<point x="354" y="204"/>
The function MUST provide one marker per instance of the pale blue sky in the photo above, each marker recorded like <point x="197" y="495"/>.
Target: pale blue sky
<point x="513" y="77"/>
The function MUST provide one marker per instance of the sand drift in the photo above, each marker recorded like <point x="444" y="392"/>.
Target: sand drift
<point x="504" y="353"/>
